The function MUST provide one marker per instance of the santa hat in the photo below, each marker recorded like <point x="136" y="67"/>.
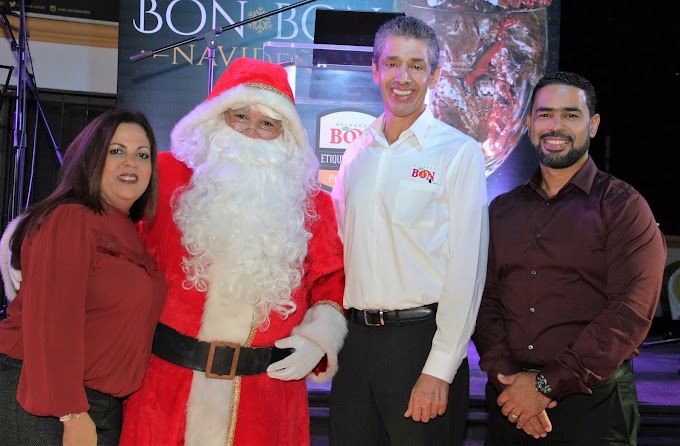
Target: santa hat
<point x="245" y="82"/>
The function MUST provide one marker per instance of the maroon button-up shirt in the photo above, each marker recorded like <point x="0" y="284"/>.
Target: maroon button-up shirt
<point x="573" y="281"/>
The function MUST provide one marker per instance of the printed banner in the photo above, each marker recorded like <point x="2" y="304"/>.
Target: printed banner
<point x="495" y="53"/>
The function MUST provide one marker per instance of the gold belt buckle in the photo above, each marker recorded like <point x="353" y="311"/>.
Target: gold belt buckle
<point x="234" y="360"/>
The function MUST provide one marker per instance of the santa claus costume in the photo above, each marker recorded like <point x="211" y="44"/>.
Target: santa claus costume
<point x="249" y="247"/>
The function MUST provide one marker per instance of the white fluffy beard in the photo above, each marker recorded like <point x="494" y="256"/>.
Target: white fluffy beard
<point x="242" y="220"/>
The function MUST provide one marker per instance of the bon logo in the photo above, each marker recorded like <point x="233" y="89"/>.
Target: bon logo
<point x="423" y="173"/>
<point x="346" y="135"/>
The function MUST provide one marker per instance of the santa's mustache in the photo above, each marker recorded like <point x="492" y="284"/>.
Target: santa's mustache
<point x="229" y="146"/>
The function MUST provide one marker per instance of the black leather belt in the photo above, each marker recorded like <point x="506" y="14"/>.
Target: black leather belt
<point x="220" y="360"/>
<point x="377" y="318"/>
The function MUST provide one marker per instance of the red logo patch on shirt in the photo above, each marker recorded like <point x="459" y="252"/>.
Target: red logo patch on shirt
<point x="423" y="173"/>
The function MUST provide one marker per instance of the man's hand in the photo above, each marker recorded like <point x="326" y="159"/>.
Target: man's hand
<point x="80" y="431"/>
<point x="538" y="426"/>
<point x="429" y="398"/>
<point x="524" y="405"/>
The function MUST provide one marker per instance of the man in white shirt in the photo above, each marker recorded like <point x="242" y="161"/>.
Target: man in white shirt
<point x="412" y="212"/>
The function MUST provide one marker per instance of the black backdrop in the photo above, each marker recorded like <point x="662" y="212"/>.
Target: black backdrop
<point x="632" y="56"/>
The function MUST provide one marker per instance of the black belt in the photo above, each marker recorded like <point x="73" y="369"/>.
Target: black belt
<point x="376" y="318"/>
<point x="221" y="360"/>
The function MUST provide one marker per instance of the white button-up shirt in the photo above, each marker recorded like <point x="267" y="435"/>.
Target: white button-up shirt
<point x="413" y="217"/>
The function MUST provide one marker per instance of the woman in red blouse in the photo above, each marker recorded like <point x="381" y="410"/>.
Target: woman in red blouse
<point x="77" y="337"/>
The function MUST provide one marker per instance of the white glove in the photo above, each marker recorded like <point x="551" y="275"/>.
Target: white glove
<point x="299" y="363"/>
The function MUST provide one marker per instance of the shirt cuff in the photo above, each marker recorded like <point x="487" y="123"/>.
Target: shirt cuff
<point x="563" y="382"/>
<point x="442" y="365"/>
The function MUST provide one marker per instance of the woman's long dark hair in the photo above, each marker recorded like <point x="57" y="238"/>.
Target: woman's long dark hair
<point x="80" y="177"/>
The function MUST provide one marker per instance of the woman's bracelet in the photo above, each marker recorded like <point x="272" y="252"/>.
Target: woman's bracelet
<point x="70" y="416"/>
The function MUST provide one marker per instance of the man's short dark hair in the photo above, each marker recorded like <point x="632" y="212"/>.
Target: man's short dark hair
<point x="572" y="80"/>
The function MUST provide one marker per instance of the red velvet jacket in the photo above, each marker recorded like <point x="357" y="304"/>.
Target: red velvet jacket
<point x="264" y="411"/>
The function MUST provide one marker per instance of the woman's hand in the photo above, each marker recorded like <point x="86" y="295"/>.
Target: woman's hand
<point x="80" y="431"/>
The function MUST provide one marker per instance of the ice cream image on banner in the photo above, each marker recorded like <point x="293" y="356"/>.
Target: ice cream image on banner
<point x="496" y="51"/>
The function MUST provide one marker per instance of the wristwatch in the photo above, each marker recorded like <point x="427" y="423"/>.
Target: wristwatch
<point x="543" y="387"/>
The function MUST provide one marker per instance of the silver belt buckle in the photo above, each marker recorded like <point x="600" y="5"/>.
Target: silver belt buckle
<point x="380" y="312"/>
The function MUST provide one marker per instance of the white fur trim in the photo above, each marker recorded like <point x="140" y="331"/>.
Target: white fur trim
<point x="11" y="278"/>
<point x="326" y="327"/>
<point x="193" y="153"/>
<point x="210" y="400"/>
<point x="208" y="411"/>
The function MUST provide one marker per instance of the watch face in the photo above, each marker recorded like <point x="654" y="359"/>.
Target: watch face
<point x="543" y="386"/>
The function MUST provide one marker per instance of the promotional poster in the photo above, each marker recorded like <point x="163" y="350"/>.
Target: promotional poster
<point x="493" y="53"/>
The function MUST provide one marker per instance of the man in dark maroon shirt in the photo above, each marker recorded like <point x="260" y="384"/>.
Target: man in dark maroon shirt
<point x="575" y="267"/>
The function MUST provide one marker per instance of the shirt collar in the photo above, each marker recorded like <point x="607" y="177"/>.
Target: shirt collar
<point x="417" y="129"/>
<point x="583" y="178"/>
<point x="376" y="129"/>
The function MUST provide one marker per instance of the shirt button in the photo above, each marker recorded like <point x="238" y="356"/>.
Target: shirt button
<point x="533" y="273"/>
<point x="547" y="203"/>
<point x="530" y="347"/>
<point x="532" y="309"/>
<point x="538" y="236"/>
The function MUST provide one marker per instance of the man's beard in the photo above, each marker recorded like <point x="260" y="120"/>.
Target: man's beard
<point x="559" y="161"/>
<point x="242" y="220"/>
